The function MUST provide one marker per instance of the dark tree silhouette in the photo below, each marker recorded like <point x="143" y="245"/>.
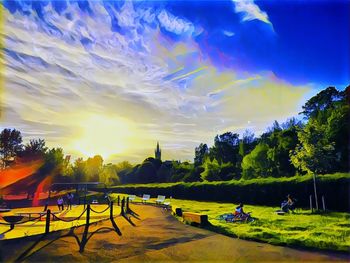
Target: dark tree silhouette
<point x="10" y="144"/>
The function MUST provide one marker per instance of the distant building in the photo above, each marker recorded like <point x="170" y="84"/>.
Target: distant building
<point x="158" y="153"/>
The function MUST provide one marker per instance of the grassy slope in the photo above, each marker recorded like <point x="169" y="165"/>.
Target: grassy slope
<point x="322" y="231"/>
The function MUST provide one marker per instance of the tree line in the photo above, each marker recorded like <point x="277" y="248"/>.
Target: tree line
<point x="318" y="143"/>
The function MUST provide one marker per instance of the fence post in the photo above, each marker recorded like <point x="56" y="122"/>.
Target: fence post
<point x="311" y="203"/>
<point x="47" y="225"/>
<point x="127" y="204"/>
<point x="122" y="206"/>
<point x="323" y="204"/>
<point x="315" y="191"/>
<point x="111" y="210"/>
<point x="86" y="230"/>
<point x="118" y="200"/>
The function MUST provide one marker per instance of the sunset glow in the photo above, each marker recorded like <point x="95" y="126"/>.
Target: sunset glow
<point x="104" y="136"/>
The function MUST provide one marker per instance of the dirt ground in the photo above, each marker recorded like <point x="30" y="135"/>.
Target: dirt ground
<point x="152" y="234"/>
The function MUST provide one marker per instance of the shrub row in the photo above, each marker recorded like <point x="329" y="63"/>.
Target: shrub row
<point x="269" y="192"/>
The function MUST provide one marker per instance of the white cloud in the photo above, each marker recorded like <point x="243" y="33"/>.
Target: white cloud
<point x="52" y="82"/>
<point x="228" y="33"/>
<point x="250" y="11"/>
<point x="174" y="24"/>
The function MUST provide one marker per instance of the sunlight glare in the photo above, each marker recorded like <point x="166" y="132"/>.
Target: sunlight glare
<point x="104" y="136"/>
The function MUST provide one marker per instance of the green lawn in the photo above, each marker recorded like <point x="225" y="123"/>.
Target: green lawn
<point x="329" y="231"/>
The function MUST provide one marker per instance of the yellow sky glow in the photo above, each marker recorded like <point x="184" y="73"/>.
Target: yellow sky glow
<point x="104" y="136"/>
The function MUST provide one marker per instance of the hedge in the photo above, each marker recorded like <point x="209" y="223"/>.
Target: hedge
<point x="269" y="191"/>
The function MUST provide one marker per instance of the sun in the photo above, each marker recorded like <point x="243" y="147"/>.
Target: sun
<point x="104" y="136"/>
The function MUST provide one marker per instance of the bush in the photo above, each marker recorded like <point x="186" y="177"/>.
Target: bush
<point x="266" y="191"/>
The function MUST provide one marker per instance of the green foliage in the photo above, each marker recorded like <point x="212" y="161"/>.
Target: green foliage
<point x="211" y="170"/>
<point x="200" y="153"/>
<point x="93" y="168"/>
<point x="256" y="163"/>
<point x="108" y="175"/>
<point x="324" y="140"/>
<point x="180" y="171"/>
<point x="10" y="143"/>
<point x="35" y="148"/>
<point x="215" y="171"/>
<point x="79" y="170"/>
<point x="322" y="101"/>
<point x="147" y="172"/>
<point x="262" y="191"/>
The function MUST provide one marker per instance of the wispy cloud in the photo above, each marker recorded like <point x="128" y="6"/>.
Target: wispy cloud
<point x="162" y="89"/>
<point x="250" y="11"/>
<point x="174" y="24"/>
<point x="228" y="33"/>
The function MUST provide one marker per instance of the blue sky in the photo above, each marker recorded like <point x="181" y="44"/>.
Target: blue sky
<point x="175" y="71"/>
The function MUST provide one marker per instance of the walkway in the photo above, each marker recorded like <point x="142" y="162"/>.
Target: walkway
<point x="157" y="236"/>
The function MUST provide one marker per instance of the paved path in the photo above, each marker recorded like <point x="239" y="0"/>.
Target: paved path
<point x="157" y="236"/>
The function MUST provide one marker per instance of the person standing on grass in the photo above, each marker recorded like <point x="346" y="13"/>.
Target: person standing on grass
<point x="60" y="203"/>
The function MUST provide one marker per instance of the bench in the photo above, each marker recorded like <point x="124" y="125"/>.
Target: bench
<point x="160" y="199"/>
<point x="132" y="198"/>
<point x="195" y="218"/>
<point x="145" y="198"/>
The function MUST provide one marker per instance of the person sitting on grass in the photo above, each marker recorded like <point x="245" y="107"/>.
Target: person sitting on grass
<point x="288" y="205"/>
<point x="239" y="213"/>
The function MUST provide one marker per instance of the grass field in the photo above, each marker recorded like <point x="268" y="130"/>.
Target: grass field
<point x="330" y="231"/>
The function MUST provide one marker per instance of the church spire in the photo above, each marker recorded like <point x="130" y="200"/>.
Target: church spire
<point x="158" y="152"/>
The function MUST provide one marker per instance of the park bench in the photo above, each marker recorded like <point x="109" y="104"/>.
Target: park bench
<point x="160" y="199"/>
<point x="195" y="218"/>
<point x="132" y="198"/>
<point x="166" y="205"/>
<point x="145" y="198"/>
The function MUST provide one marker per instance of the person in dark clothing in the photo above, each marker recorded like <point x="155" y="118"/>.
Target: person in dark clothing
<point x="288" y="205"/>
<point x="60" y="203"/>
<point x="69" y="200"/>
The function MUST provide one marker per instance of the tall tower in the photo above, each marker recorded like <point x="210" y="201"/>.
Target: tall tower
<point x="158" y="153"/>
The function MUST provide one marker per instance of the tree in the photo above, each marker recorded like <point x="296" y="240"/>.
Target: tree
<point x="315" y="153"/>
<point x="10" y="143"/>
<point x="211" y="170"/>
<point x="124" y="165"/>
<point x="180" y="171"/>
<point x="226" y="148"/>
<point x="156" y="162"/>
<point x="247" y="143"/>
<point x="35" y="148"/>
<point x="79" y="170"/>
<point x="324" y="140"/>
<point x="200" y="152"/>
<point x="322" y="101"/>
<point x="108" y="175"/>
<point x="93" y="167"/>
<point x="256" y="164"/>
<point x="146" y="173"/>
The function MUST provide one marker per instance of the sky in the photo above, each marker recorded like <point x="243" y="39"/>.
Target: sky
<point x="114" y="77"/>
